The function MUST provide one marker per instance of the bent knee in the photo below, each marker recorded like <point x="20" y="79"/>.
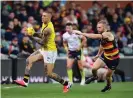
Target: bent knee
<point x="28" y="61"/>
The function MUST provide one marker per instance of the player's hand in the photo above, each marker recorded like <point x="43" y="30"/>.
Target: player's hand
<point x="77" y="32"/>
<point x="95" y="58"/>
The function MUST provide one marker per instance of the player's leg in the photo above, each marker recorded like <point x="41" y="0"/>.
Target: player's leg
<point x="70" y="62"/>
<point x="80" y="65"/>
<point x="109" y="80"/>
<point x="97" y="64"/>
<point x="111" y="64"/>
<point x="49" y="72"/>
<point x="36" y="56"/>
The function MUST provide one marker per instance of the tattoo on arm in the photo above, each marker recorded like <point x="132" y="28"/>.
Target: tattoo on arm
<point x="37" y="35"/>
<point x="38" y="40"/>
<point x="42" y="38"/>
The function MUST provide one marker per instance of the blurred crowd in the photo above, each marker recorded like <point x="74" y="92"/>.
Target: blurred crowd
<point x="15" y="15"/>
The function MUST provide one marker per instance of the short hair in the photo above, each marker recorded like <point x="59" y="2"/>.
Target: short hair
<point x="105" y="23"/>
<point x="69" y="24"/>
<point x="48" y="12"/>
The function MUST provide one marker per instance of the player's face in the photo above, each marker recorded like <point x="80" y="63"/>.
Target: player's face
<point x="100" y="28"/>
<point x="45" y="17"/>
<point x="69" y="29"/>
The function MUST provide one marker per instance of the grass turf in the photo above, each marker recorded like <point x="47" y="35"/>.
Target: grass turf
<point x="119" y="90"/>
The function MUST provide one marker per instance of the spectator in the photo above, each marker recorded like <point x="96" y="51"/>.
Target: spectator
<point x="11" y="16"/>
<point x="17" y="8"/>
<point x="94" y="22"/>
<point x="70" y="18"/>
<point x="29" y="8"/>
<point x="115" y="23"/>
<point x="13" y="49"/>
<point x="26" y="47"/>
<point x="119" y="40"/>
<point x="23" y="15"/>
<point x="22" y="32"/>
<point x="13" y="54"/>
<point x="89" y="28"/>
<point x="102" y="17"/>
<point x="55" y="6"/>
<point x="7" y="19"/>
<point x="84" y="19"/>
<point x="31" y="20"/>
<point x="128" y="25"/>
<point x="39" y="15"/>
<point x="121" y="16"/>
<point x="57" y="21"/>
<point x="17" y="26"/>
<point x="129" y="8"/>
<point x="59" y="44"/>
<point x="4" y="46"/>
<point x="9" y="32"/>
<point x="109" y="14"/>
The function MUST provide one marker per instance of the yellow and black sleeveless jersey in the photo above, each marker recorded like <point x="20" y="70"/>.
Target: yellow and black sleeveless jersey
<point x="110" y="48"/>
<point x="50" y="44"/>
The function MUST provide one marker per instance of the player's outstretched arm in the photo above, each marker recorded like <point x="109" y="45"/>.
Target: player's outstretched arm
<point x="93" y="36"/>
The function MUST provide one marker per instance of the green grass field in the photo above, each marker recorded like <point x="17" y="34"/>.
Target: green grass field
<point x="119" y="90"/>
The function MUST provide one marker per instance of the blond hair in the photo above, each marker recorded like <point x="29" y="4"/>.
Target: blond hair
<point x="105" y="23"/>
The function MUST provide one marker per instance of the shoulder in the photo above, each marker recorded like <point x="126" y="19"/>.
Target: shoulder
<point x="109" y="35"/>
<point x="65" y="35"/>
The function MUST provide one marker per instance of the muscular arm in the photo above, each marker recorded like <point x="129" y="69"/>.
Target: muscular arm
<point x="42" y="38"/>
<point x="38" y="40"/>
<point x="37" y="35"/>
<point x="94" y="36"/>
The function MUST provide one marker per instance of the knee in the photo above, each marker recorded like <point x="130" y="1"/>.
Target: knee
<point x="28" y="61"/>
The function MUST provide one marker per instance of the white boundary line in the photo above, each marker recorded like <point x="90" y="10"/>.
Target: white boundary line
<point x="9" y="87"/>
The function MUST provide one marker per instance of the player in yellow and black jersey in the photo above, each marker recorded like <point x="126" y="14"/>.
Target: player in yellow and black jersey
<point x="48" y="52"/>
